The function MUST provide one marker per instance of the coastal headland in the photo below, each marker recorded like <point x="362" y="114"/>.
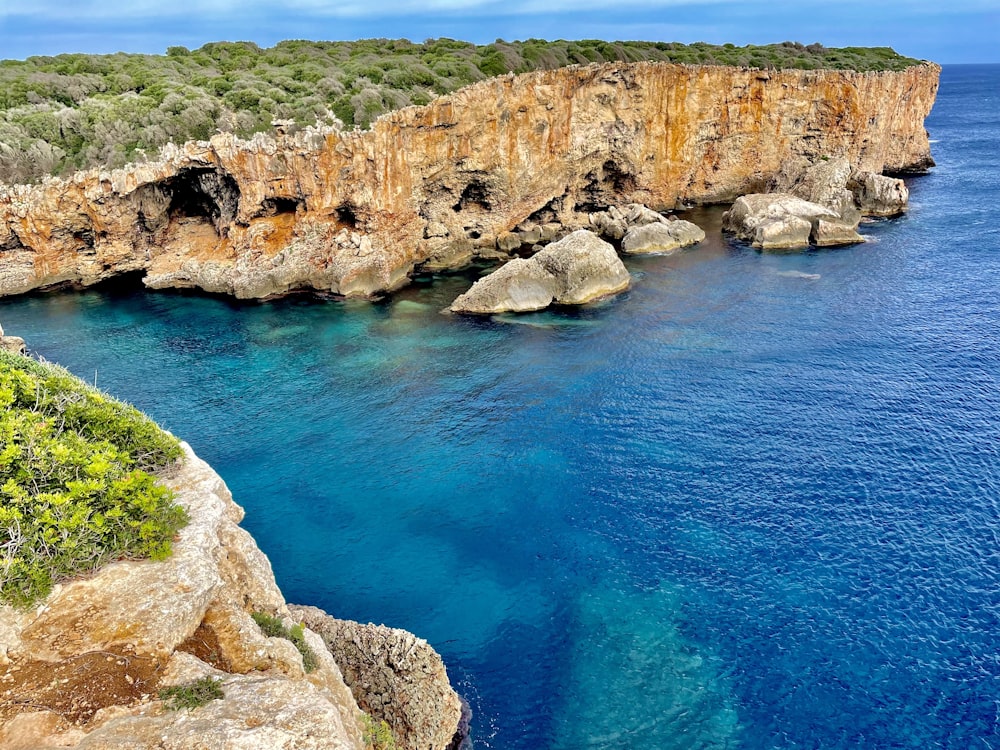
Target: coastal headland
<point x="475" y="174"/>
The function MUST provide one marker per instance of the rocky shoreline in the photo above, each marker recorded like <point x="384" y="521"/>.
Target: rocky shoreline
<point x="83" y="668"/>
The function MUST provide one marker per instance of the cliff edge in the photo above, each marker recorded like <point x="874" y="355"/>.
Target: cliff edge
<point x="354" y="213"/>
<point x="85" y="667"/>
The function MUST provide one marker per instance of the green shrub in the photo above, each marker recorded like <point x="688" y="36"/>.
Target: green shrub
<point x="74" y="481"/>
<point x="192" y="694"/>
<point x="377" y="735"/>
<point x="273" y="627"/>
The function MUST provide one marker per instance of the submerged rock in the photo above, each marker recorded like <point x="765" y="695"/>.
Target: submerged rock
<point x="661" y="237"/>
<point x="577" y="269"/>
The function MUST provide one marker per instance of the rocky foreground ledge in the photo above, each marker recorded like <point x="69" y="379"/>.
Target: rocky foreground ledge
<point x="482" y="173"/>
<point x="84" y="668"/>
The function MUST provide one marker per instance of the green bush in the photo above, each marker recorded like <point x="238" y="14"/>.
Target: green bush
<point x="74" y="481"/>
<point x="192" y="694"/>
<point x="377" y="735"/>
<point x="273" y="627"/>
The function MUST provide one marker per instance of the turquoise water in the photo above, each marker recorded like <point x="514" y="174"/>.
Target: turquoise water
<point x="752" y="503"/>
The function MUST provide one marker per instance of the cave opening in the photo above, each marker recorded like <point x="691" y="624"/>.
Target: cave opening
<point x="347" y="215"/>
<point x="203" y="193"/>
<point x="621" y="180"/>
<point x="280" y="205"/>
<point x="476" y="193"/>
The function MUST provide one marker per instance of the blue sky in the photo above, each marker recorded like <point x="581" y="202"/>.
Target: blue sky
<point x="947" y="31"/>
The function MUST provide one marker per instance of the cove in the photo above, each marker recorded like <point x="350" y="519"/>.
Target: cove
<point x="751" y="503"/>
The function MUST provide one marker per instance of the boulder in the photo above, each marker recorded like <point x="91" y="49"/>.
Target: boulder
<point x="782" y="233"/>
<point x="508" y="241"/>
<point x="828" y="233"/>
<point x="661" y="237"/>
<point x="577" y="269"/>
<point x="638" y="215"/>
<point x="13" y="344"/>
<point x="610" y="224"/>
<point x="520" y="285"/>
<point x="585" y="267"/>
<point x="395" y="676"/>
<point x="877" y="195"/>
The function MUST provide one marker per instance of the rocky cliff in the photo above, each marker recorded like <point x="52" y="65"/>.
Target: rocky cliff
<point x="84" y="668"/>
<point x="479" y="172"/>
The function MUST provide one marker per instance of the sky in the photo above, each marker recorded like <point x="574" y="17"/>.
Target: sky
<point x="946" y="31"/>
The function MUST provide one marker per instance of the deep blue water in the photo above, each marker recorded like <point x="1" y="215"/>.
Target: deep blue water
<point x="733" y="508"/>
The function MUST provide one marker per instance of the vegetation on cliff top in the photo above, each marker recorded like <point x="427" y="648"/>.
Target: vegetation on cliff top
<point x="75" y="487"/>
<point x="59" y="114"/>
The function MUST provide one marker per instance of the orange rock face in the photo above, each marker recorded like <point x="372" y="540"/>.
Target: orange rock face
<point x="354" y="212"/>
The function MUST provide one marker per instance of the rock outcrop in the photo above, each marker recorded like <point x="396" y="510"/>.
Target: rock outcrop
<point x="819" y="204"/>
<point x="478" y="173"/>
<point x="575" y="270"/>
<point x="13" y="344"/>
<point x="395" y="677"/>
<point x="776" y="221"/>
<point x="83" y="668"/>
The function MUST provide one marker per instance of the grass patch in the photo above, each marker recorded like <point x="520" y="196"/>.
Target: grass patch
<point x="75" y="481"/>
<point x="273" y="627"/>
<point x="192" y="694"/>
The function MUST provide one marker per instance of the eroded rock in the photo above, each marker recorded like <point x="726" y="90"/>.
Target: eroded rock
<point x="395" y="677"/>
<point x="661" y="237"/>
<point x="877" y="195"/>
<point x="579" y="268"/>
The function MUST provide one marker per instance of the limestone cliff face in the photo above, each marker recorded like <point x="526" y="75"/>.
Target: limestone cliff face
<point x="353" y="213"/>
<point x="83" y="668"/>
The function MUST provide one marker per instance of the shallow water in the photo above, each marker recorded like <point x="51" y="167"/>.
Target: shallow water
<point x="752" y="503"/>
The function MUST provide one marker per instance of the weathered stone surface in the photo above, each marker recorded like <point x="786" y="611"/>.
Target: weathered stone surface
<point x="354" y="212"/>
<point x="774" y="220"/>
<point x="661" y="237"/>
<point x="14" y="344"/>
<point x="782" y="233"/>
<point x="585" y="268"/>
<point x="520" y="285"/>
<point x="577" y="269"/>
<point x="395" y="677"/>
<point x="833" y="233"/>
<point x="877" y="195"/>
<point x="258" y="712"/>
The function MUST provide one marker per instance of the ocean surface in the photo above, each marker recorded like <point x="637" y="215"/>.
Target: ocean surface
<point x="752" y="503"/>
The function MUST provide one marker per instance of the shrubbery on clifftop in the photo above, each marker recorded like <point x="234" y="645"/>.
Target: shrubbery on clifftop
<point x="75" y="487"/>
<point x="59" y="114"/>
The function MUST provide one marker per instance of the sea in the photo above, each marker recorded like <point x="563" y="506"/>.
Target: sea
<point x="752" y="503"/>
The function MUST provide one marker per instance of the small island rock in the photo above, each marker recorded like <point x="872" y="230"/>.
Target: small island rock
<point x="577" y="269"/>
